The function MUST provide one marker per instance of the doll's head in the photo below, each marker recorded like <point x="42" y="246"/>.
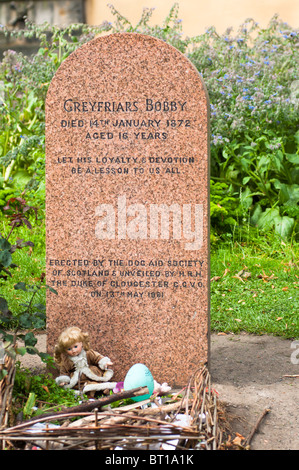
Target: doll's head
<point x="69" y="341"/>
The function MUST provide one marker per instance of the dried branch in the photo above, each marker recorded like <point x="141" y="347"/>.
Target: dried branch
<point x="255" y="427"/>
<point x="84" y="407"/>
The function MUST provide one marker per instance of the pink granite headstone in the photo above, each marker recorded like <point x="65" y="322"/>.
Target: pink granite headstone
<point x="127" y="202"/>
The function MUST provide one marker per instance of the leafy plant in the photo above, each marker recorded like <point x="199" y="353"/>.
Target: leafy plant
<point x="252" y="80"/>
<point x="225" y="209"/>
<point x="18" y="212"/>
<point x="33" y="315"/>
<point x="38" y="393"/>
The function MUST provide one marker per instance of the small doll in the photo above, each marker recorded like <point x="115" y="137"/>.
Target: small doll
<point x="81" y="368"/>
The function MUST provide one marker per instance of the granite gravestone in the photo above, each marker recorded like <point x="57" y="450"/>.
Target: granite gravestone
<point x="127" y="203"/>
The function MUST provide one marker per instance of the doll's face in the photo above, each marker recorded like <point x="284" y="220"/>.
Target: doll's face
<point x="74" y="350"/>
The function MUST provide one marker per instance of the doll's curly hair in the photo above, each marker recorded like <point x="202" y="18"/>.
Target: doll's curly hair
<point x="67" y="338"/>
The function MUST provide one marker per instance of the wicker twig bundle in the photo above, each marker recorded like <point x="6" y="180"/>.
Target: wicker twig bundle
<point x="7" y="374"/>
<point x="187" y="420"/>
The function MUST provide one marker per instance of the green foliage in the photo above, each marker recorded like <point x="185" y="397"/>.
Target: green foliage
<point x="37" y="394"/>
<point x="32" y="315"/>
<point x="225" y="209"/>
<point x="252" y="81"/>
<point x="170" y="31"/>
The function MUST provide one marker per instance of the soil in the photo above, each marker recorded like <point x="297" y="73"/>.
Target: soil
<point x="250" y="374"/>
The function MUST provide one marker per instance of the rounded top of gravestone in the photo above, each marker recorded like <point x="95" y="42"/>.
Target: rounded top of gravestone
<point x="128" y="55"/>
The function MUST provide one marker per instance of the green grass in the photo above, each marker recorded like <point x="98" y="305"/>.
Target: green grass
<point x="254" y="285"/>
<point x="254" y="288"/>
<point x="31" y="264"/>
<point x="30" y="267"/>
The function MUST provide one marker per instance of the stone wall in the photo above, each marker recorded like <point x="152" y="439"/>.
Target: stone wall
<point x="54" y="12"/>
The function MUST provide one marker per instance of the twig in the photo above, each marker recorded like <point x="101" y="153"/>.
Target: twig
<point x="255" y="427"/>
<point x="118" y="415"/>
<point x="85" y="407"/>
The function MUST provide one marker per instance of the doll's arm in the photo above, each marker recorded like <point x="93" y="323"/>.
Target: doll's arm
<point x="104" y="363"/>
<point x="95" y="358"/>
<point x="62" y="380"/>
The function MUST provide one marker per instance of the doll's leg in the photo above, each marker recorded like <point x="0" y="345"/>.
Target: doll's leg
<point x="108" y="374"/>
<point x="99" y="387"/>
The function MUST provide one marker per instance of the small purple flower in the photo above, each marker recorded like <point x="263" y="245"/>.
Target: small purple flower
<point x="118" y="387"/>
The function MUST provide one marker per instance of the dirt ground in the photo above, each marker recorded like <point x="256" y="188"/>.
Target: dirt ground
<point x="250" y="374"/>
